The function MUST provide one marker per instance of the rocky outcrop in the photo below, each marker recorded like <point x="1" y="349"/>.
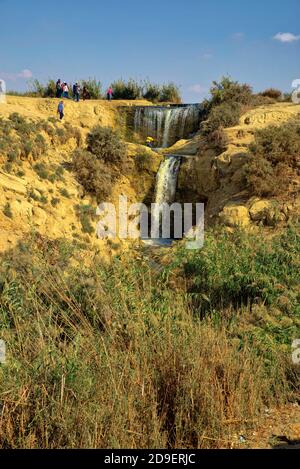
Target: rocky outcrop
<point x="235" y="216"/>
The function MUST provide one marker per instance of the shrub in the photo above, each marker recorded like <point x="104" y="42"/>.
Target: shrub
<point x="41" y="170"/>
<point x="39" y="146"/>
<point x="85" y="214"/>
<point x="152" y="92"/>
<point x="111" y="347"/>
<point x="93" y="87"/>
<point x="272" y="93"/>
<point x="228" y="91"/>
<point x="224" y="109"/>
<point x="274" y="159"/>
<point x="93" y="174"/>
<point x="55" y="201"/>
<point x="170" y="93"/>
<point x="7" y="210"/>
<point x="126" y="90"/>
<point x="106" y="145"/>
<point x="64" y="192"/>
<point x="224" y="115"/>
<point x="218" y="139"/>
<point x="37" y="88"/>
<point x="142" y="161"/>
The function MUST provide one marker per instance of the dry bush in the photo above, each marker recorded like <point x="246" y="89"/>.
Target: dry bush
<point x="96" y="177"/>
<point x="274" y="159"/>
<point x="107" y="145"/>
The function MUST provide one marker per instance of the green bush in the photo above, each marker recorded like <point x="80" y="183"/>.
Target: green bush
<point x="240" y="268"/>
<point x="217" y="139"/>
<point x="274" y="159"/>
<point x="170" y="93"/>
<point x="93" y="87"/>
<point x="55" y="201"/>
<point x="228" y="101"/>
<point x="152" y="92"/>
<point x="7" y="210"/>
<point x="96" y="177"/>
<point x="126" y="90"/>
<point x="272" y="93"/>
<point x="142" y="161"/>
<point x="224" y="115"/>
<point x="86" y="213"/>
<point x="111" y="347"/>
<point x="42" y="170"/>
<point x="229" y="91"/>
<point x="106" y="145"/>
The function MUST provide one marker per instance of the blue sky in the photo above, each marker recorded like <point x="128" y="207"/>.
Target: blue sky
<point x="190" y="42"/>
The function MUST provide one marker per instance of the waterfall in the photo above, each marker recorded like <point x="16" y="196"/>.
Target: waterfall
<point x="166" y="182"/>
<point x="167" y="124"/>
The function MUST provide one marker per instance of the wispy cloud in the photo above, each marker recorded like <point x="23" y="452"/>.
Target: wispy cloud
<point x="238" y="36"/>
<point x="24" y="74"/>
<point x="207" y="56"/>
<point x="198" y="88"/>
<point x="286" y="37"/>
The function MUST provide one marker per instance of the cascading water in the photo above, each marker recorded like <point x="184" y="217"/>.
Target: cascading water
<point x="167" y="124"/>
<point x="166" y="182"/>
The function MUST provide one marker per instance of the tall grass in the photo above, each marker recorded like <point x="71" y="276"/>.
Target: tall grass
<point x="112" y="357"/>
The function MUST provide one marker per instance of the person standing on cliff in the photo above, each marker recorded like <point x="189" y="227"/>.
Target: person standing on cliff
<point x="109" y="93"/>
<point x="76" y="92"/>
<point x="58" y="88"/>
<point x="60" y="110"/>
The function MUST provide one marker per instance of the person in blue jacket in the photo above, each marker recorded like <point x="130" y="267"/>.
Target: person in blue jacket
<point x="60" y="110"/>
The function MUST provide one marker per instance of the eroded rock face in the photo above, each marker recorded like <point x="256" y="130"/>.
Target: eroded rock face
<point x="12" y="183"/>
<point x="235" y="216"/>
<point x="261" y="210"/>
<point x="21" y="209"/>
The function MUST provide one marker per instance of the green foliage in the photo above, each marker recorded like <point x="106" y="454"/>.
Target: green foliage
<point x="272" y="93"/>
<point x="274" y="159"/>
<point x="241" y="269"/>
<point x="114" y="347"/>
<point x="229" y="91"/>
<point x="41" y="170"/>
<point x="224" y="115"/>
<point x="96" y="177"/>
<point x="64" y="192"/>
<point x="86" y="213"/>
<point x="152" y="92"/>
<point x="94" y="88"/>
<point x="142" y="161"/>
<point x="7" y="210"/>
<point x="126" y="90"/>
<point x="170" y="93"/>
<point x="55" y="201"/>
<point x="224" y="109"/>
<point x="106" y="145"/>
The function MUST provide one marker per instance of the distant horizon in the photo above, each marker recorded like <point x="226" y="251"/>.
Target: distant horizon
<point x="190" y="43"/>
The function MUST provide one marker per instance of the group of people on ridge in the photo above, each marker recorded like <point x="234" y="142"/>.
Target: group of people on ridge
<point x="62" y="91"/>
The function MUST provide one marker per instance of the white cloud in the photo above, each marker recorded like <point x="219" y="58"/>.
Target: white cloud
<point x="286" y="37"/>
<point x="207" y="56"/>
<point x="238" y="36"/>
<point x="198" y="89"/>
<point x="24" y="74"/>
